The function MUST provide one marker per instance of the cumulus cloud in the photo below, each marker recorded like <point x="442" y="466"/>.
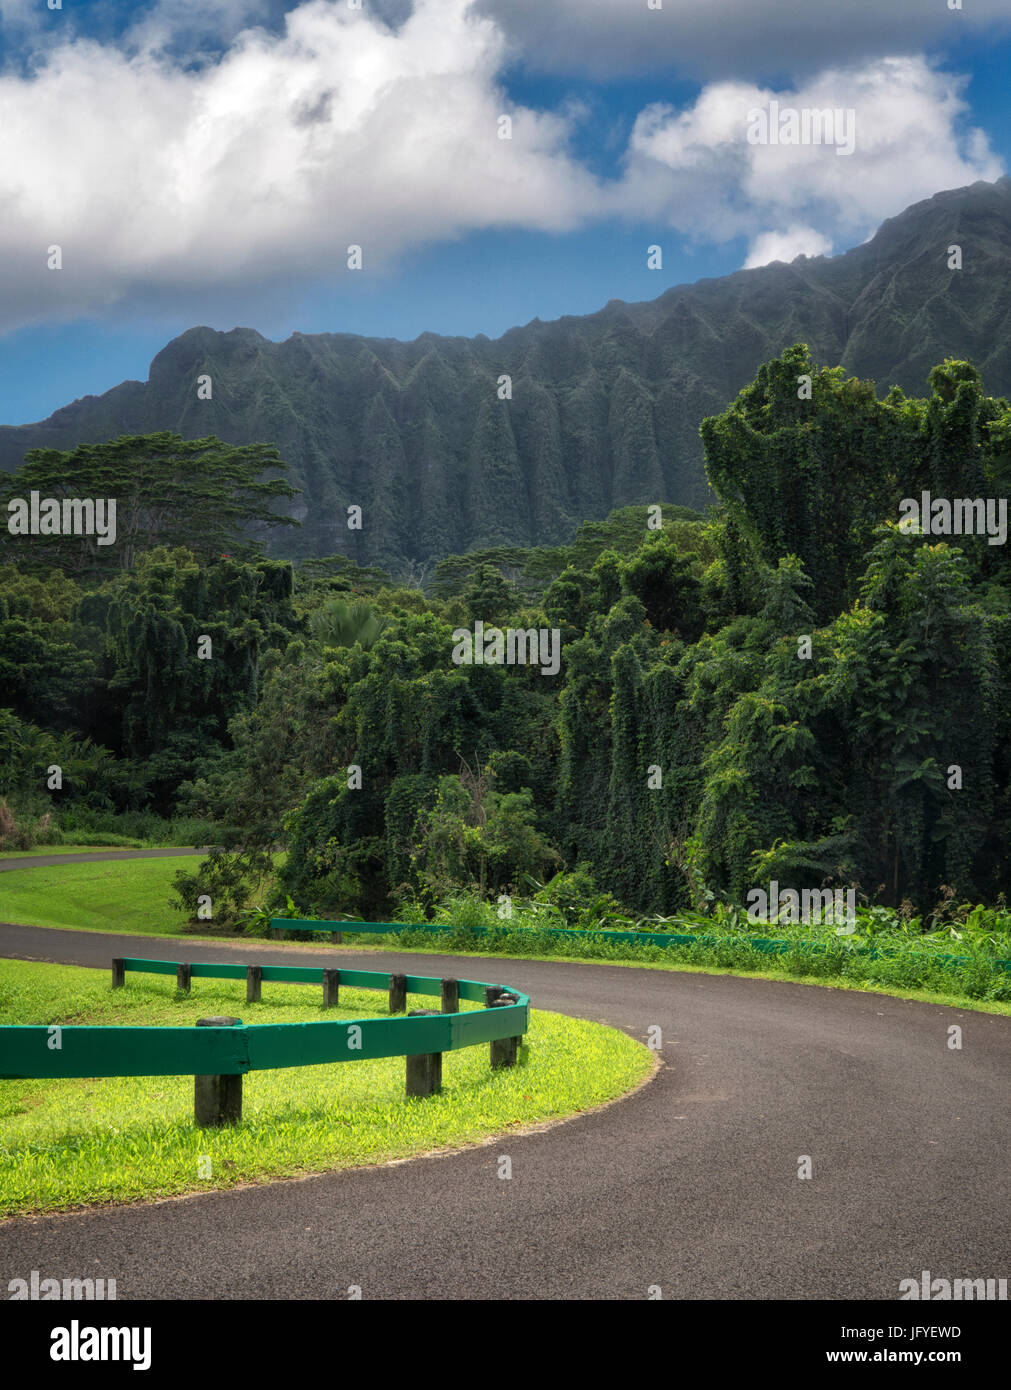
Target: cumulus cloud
<point x="696" y="170"/>
<point x="271" y="161"/>
<point x="730" y="38"/>
<point x="259" y="165"/>
<point x="795" y="240"/>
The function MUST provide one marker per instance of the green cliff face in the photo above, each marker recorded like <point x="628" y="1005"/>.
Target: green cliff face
<point x="605" y="408"/>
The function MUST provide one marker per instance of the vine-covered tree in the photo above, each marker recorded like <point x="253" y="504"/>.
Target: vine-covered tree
<point x="792" y="687"/>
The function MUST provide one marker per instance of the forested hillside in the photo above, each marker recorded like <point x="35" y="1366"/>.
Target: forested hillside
<point x="789" y="688"/>
<point x="604" y="410"/>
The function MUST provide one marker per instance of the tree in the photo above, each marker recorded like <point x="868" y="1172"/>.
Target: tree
<point x="812" y="477"/>
<point x="203" y="494"/>
<point x="339" y="624"/>
<point x="663" y="581"/>
<point x="163" y="703"/>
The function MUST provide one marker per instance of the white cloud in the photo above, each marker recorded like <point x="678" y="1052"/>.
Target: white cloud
<point x="796" y="240"/>
<point x="696" y="171"/>
<point x="259" y="166"/>
<point x="271" y="161"/>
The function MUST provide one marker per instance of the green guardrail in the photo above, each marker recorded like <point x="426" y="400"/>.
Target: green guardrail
<point x="775" y="946"/>
<point x="219" y="1051"/>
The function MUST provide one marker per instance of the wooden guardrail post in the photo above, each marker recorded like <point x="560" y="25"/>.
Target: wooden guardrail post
<point x="398" y="994"/>
<point x="502" y="1051"/>
<point x="451" y="996"/>
<point x="506" y="998"/>
<point x="118" y="972"/>
<point x="183" y="978"/>
<point x="331" y="985"/>
<point x="337" y="938"/>
<point x="254" y="983"/>
<point x="424" y="1069"/>
<point x="217" y="1100"/>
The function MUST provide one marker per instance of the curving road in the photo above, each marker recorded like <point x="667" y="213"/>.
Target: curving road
<point x="690" y="1183"/>
<point x="99" y="856"/>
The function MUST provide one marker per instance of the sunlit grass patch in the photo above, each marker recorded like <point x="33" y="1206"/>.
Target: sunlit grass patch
<point x="134" y="896"/>
<point x="73" y="1142"/>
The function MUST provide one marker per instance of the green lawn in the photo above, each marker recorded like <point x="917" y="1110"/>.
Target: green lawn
<point x="70" y="1143"/>
<point x="119" y="895"/>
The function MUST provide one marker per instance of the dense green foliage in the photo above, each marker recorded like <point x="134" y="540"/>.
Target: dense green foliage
<point x="791" y="688"/>
<point x="201" y="494"/>
<point x="107" y="683"/>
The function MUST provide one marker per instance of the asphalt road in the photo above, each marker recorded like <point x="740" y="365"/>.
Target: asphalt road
<point x="46" y="861"/>
<point x="691" y="1183"/>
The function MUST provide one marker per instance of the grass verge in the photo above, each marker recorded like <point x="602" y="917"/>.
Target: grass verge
<point x="907" y="976"/>
<point x="132" y="896"/>
<point x="74" y="1143"/>
<point x="117" y="895"/>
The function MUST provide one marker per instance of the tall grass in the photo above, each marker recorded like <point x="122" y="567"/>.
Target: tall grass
<point x="21" y="829"/>
<point x="883" y="951"/>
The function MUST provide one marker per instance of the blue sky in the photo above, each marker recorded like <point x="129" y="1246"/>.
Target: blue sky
<point x="209" y="161"/>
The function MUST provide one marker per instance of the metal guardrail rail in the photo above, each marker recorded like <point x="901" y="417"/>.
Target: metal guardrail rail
<point x="218" y="1052"/>
<point x="768" y="945"/>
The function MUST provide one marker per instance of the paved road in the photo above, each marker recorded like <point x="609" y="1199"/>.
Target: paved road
<point x="690" y="1183"/>
<point x="45" y="861"/>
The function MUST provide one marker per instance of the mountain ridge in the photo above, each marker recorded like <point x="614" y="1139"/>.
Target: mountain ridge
<point x="605" y="406"/>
